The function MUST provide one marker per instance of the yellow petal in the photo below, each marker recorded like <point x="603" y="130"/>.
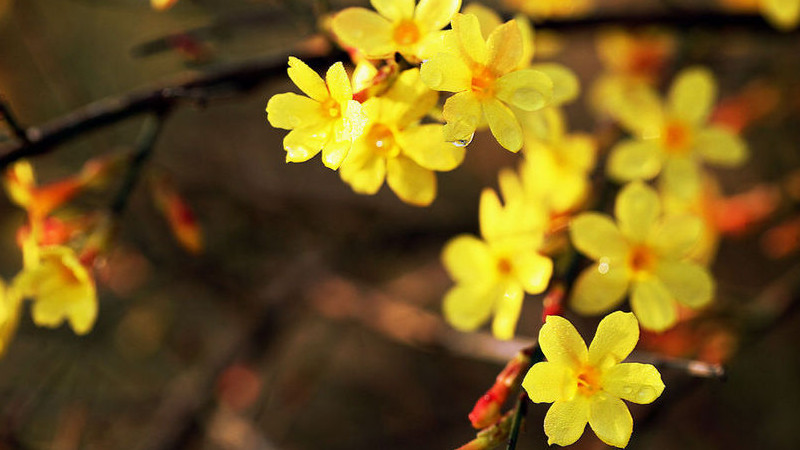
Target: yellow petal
<point x="637" y="208"/>
<point x="507" y="309"/>
<point x="599" y="288"/>
<point x="597" y="236"/>
<point x="616" y="336"/>
<point x="566" y="86"/>
<point x="462" y="112"/>
<point x="689" y="283"/>
<point x="411" y="182"/>
<point x="470" y="41"/>
<point x="487" y="17"/>
<point x="610" y="420"/>
<point x="504" y="125"/>
<point x="561" y="343"/>
<point x="635" y="159"/>
<point x="354" y="121"/>
<point x="528" y="90"/>
<point x="410" y="99"/>
<point x="435" y="14"/>
<point x="676" y="236"/>
<point x="426" y="145"/>
<point x="394" y="10"/>
<point x="533" y="271"/>
<point x="653" y="304"/>
<point x="692" y="95"/>
<point x="548" y="382"/>
<point x="468" y="259"/>
<point x="467" y="307"/>
<point x="681" y="177"/>
<point x="363" y="170"/>
<point x="566" y="420"/>
<point x="505" y="48"/>
<point x="338" y="83"/>
<point x="783" y="14"/>
<point x="302" y="144"/>
<point x="638" y="109"/>
<point x="634" y="382"/>
<point x="307" y="80"/>
<point x="365" y="30"/>
<point x="334" y="152"/>
<point x="446" y="72"/>
<point x="719" y="146"/>
<point x="290" y="110"/>
<point x="490" y="215"/>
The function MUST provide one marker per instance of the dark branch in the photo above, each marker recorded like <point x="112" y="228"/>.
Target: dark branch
<point x="11" y="120"/>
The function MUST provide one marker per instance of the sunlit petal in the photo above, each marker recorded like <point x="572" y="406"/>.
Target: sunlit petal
<point x="637" y="208"/>
<point x="446" y="72"/>
<point x="616" y="336"/>
<point x="533" y="271"/>
<point x="611" y="421"/>
<point x="720" y="146"/>
<point x="689" y="283"/>
<point x="462" y="112"/>
<point x="597" y="236"/>
<point x="548" y="382"/>
<point x="425" y="144"/>
<point x="599" y="288"/>
<point x="435" y="14"/>
<point x="468" y="259"/>
<point x="504" y="125"/>
<point x="307" y="80"/>
<point x="507" y="309"/>
<point x="470" y="41"/>
<point x="394" y="9"/>
<point x="566" y="420"/>
<point x="635" y="159"/>
<point x="505" y="48"/>
<point x="653" y="304"/>
<point x="365" y="30"/>
<point x="290" y="110"/>
<point x="634" y="382"/>
<point x="561" y="343"/>
<point x="528" y="90"/>
<point x="692" y="95"/>
<point x="411" y="182"/>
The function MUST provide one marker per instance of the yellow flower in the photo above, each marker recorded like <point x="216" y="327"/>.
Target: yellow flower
<point x="10" y="312"/>
<point x="588" y="386"/>
<point x="783" y="14"/>
<point x="543" y="9"/>
<point x="61" y="289"/>
<point x="642" y="253"/>
<point x="485" y="78"/>
<point x="673" y="139"/>
<point x="493" y="274"/>
<point x="398" y="26"/>
<point x="328" y="119"/>
<point x="396" y="147"/>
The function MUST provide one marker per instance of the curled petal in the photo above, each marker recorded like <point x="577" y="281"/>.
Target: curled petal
<point x="435" y="14"/>
<point x="468" y="259"/>
<point x="411" y="182"/>
<point x="599" y="288"/>
<point x="597" y="236"/>
<point x="548" y="382"/>
<point x="566" y="420"/>
<point x="616" y="336"/>
<point x="719" y="146"/>
<point x="653" y="304"/>
<point x="365" y="30"/>
<point x="507" y="309"/>
<point x="634" y="160"/>
<point x="692" y="95"/>
<point x="634" y="382"/>
<point x="528" y="90"/>
<point x="637" y="208"/>
<point x="561" y="343"/>
<point x="505" y="48"/>
<point x="689" y="283"/>
<point x="307" y="80"/>
<point x="504" y="124"/>
<point x="611" y="420"/>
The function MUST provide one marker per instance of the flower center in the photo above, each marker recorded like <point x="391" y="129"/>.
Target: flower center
<point x="677" y="138"/>
<point x="504" y="266"/>
<point x="406" y="32"/>
<point x="381" y="139"/>
<point x="641" y="259"/>
<point x="331" y="108"/>
<point x="483" y="83"/>
<point x="588" y="381"/>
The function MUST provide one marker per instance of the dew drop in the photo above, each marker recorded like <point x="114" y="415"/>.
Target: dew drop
<point x="645" y="393"/>
<point x="464" y="142"/>
<point x="602" y="265"/>
<point x="627" y="390"/>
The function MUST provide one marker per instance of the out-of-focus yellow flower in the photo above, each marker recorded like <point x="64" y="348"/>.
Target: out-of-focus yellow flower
<point x="39" y="201"/>
<point x="398" y="26"/>
<point x="485" y="78"/>
<point x="545" y="9"/>
<point x="493" y="274"/>
<point x="162" y="5"/>
<point x="61" y="289"/>
<point x="632" y="61"/>
<point x="782" y="14"/>
<point x="673" y="139"/>
<point x="642" y="253"/>
<point x="327" y="120"/>
<point x="396" y="147"/>
<point x="556" y="167"/>
<point x="588" y="386"/>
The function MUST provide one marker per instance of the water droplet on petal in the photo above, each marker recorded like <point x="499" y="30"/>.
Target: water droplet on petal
<point x="646" y="393"/>
<point x="464" y="142"/>
<point x="627" y="390"/>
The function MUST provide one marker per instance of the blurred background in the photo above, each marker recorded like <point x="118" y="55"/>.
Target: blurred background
<point x="311" y="317"/>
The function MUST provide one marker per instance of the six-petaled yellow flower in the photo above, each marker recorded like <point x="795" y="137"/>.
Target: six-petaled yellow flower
<point x="398" y="26"/>
<point x="642" y="253"/>
<point x="493" y="274"/>
<point x="327" y="120"/>
<point x="483" y="75"/>
<point x="673" y="139"/>
<point x="588" y="386"/>
<point x="396" y="147"/>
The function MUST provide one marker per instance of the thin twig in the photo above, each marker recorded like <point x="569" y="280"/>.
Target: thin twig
<point x="11" y="120"/>
<point x="519" y="414"/>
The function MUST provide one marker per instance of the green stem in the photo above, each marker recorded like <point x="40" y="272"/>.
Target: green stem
<point x="519" y="414"/>
<point x="144" y="149"/>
